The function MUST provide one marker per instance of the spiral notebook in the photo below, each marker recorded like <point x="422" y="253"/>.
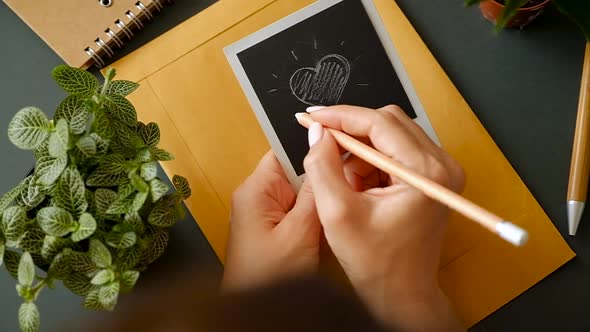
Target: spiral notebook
<point x="86" y="32"/>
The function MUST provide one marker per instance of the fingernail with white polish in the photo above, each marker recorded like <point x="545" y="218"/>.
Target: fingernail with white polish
<point x="314" y="108"/>
<point x="315" y="133"/>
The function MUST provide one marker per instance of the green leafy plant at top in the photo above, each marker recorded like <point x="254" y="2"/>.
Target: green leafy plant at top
<point x="93" y="214"/>
<point x="577" y="10"/>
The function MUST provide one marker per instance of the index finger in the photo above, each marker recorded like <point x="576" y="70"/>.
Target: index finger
<point x="267" y="181"/>
<point x="386" y="132"/>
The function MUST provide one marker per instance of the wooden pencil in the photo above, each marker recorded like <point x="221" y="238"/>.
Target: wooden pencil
<point x="577" y="188"/>
<point x="505" y="229"/>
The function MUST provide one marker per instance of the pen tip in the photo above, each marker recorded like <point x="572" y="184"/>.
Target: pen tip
<point x="574" y="214"/>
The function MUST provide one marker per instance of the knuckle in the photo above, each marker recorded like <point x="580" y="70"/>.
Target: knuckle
<point x="339" y="211"/>
<point x="458" y="174"/>
<point x="238" y="196"/>
<point x="311" y="160"/>
<point x="392" y="108"/>
<point x="305" y="189"/>
<point x="439" y="173"/>
<point x="455" y="171"/>
<point x="386" y="116"/>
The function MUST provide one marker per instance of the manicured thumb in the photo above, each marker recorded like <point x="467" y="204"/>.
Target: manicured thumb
<point x="325" y="172"/>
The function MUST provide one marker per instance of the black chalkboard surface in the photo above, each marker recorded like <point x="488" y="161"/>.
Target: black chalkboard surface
<point x="332" y="57"/>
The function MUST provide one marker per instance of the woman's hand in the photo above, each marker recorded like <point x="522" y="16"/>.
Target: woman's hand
<point x="385" y="234"/>
<point x="274" y="233"/>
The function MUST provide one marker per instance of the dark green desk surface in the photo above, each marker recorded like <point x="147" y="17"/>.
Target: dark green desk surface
<point x="26" y="66"/>
<point x="523" y="86"/>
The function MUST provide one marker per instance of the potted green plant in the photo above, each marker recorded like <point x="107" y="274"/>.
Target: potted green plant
<point x="518" y="13"/>
<point x="493" y="11"/>
<point x="93" y="214"/>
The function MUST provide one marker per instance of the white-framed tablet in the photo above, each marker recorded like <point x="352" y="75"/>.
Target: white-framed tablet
<point x="330" y="52"/>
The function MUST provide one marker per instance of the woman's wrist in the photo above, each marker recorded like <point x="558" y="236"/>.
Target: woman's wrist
<point x="430" y="311"/>
<point x="419" y="305"/>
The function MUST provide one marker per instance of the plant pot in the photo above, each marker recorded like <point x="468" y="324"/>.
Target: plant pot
<point x="492" y="11"/>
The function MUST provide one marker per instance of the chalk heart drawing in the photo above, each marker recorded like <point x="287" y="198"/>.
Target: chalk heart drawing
<point x="324" y="84"/>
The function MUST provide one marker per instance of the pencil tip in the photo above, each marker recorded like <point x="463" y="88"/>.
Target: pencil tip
<point x="574" y="215"/>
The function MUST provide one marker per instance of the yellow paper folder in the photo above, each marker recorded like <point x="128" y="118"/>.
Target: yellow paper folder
<point x="189" y="89"/>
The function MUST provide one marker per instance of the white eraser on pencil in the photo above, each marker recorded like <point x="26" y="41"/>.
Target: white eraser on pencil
<point x="512" y="233"/>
